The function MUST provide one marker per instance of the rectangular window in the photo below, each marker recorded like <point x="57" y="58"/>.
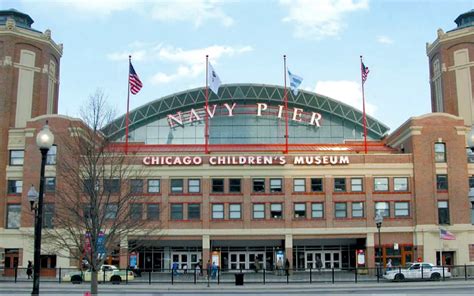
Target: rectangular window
<point x="235" y="211"/>
<point x="442" y="182"/>
<point x="154" y="186"/>
<point x="299" y="185"/>
<point x="15" y="186"/>
<point x="217" y="186"/>
<point x="382" y="208"/>
<point x="51" y="156"/>
<point x="276" y="185"/>
<point x="472" y="217"/>
<point x="316" y="185"/>
<point x="177" y="211"/>
<point x="194" y="211"/>
<point x="153" y="212"/>
<point x="356" y="185"/>
<point x="259" y="211"/>
<point x="381" y="184"/>
<point x="440" y="152"/>
<point x="276" y="210"/>
<point x="339" y="184"/>
<point x="111" y="211"/>
<point x="136" y="186"/>
<point x="317" y="210"/>
<point x="300" y="210"/>
<point x="340" y="210"/>
<point x="136" y="211"/>
<point x="13" y="216"/>
<point x="400" y="184"/>
<point x="258" y="185"/>
<point x="357" y="209"/>
<point x="176" y="185"/>
<point x="48" y="216"/>
<point x="17" y="157"/>
<point x="234" y="185"/>
<point x="194" y="185"/>
<point x="50" y="184"/>
<point x="471" y="182"/>
<point x="217" y="211"/>
<point x="443" y="212"/>
<point x="89" y="187"/>
<point x="402" y="209"/>
<point x="111" y="185"/>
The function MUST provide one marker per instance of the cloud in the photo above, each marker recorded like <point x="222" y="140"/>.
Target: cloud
<point x="196" y="11"/>
<point x="384" y="39"/>
<point x="191" y="63"/>
<point x="346" y="91"/>
<point x="319" y="19"/>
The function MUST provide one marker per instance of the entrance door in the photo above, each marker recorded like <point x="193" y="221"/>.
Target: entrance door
<point x="186" y="260"/>
<point x="329" y="259"/>
<point x="256" y="256"/>
<point x="11" y="261"/>
<point x="245" y="260"/>
<point x="237" y="260"/>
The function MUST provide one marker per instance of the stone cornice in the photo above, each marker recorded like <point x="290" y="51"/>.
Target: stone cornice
<point x="443" y="37"/>
<point x="34" y="35"/>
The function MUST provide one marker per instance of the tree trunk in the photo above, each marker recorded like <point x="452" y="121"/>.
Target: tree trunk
<point x="94" y="283"/>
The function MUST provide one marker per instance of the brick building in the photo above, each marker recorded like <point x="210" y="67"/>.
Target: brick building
<point x="246" y="199"/>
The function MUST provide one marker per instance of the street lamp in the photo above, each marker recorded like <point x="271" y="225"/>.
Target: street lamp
<point x="378" y="222"/>
<point x="32" y="197"/>
<point x="44" y="141"/>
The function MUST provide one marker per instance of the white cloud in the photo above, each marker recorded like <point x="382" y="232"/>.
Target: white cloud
<point x="196" y="11"/>
<point x="346" y="91"/>
<point x="191" y="63"/>
<point x="384" y="39"/>
<point x="319" y="19"/>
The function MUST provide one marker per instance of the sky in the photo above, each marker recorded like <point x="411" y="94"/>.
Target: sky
<point x="246" y="41"/>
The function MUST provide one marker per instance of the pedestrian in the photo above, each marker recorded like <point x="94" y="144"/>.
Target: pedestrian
<point x="29" y="269"/>
<point x="256" y="265"/>
<point x="185" y="268"/>
<point x="279" y="266"/>
<point x="319" y="264"/>
<point x="175" y="268"/>
<point x="208" y="268"/>
<point x="389" y="265"/>
<point x="214" y="271"/>
<point x="287" y="267"/>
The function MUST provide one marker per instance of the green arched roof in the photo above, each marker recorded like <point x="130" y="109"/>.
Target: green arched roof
<point x="248" y="93"/>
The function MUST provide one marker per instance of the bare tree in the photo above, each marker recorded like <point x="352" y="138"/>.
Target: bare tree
<point x="93" y="196"/>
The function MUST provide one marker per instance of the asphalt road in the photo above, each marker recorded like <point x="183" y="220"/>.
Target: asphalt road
<point x="432" y="288"/>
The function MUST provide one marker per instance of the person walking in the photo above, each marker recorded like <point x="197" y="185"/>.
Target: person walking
<point x="214" y="271"/>
<point x="319" y="264"/>
<point x="279" y="267"/>
<point x="208" y="268"/>
<point x="29" y="269"/>
<point x="389" y="265"/>
<point x="287" y="267"/>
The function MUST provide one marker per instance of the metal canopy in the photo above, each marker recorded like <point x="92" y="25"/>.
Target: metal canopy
<point x="244" y="93"/>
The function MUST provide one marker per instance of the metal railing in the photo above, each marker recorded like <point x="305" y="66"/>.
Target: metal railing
<point x="227" y="276"/>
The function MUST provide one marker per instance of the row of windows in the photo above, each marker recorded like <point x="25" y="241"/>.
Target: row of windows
<point x="14" y="215"/>
<point x="259" y="185"/>
<point x="17" y="157"/>
<point x="16" y="186"/>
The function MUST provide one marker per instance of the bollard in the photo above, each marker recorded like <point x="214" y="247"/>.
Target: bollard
<point x="287" y="276"/>
<point x="355" y="274"/>
<point x="126" y="276"/>
<point x="194" y="275"/>
<point x="443" y="273"/>
<point x="465" y="272"/>
<point x="16" y="273"/>
<point x="60" y="274"/>
<point x="103" y="273"/>
<point x="378" y="273"/>
<point x="149" y="277"/>
<point x="422" y="276"/>
<point x="218" y="275"/>
<point x="264" y="276"/>
<point x="310" y="275"/>
<point x="333" y="274"/>
<point x="172" y="276"/>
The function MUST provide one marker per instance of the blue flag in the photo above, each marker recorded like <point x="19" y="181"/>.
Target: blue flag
<point x="295" y="81"/>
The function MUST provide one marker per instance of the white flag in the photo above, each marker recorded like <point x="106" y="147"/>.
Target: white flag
<point x="295" y="81"/>
<point x="213" y="79"/>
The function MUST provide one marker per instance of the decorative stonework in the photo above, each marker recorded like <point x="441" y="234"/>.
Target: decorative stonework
<point x="10" y="24"/>
<point x="47" y="34"/>
<point x="7" y="61"/>
<point x="45" y="69"/>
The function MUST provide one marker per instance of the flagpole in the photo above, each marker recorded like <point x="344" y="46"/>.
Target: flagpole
<point x="128" y="106"/>
<point x="285" y="97"/>
<point x="206" y="128"/>
<point x="363" y="107"/>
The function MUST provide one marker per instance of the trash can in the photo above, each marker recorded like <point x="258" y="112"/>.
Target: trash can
<point x="239" y="279"/>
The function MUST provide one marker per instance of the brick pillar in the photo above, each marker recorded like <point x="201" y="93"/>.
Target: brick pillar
<point x="206" y="252"/>
<point x="289" y="248"/>
<point x="370" y="250"/>
<point x="123" y="261"/>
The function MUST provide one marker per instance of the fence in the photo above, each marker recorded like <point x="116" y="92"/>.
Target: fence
<point x="196" y="276"/>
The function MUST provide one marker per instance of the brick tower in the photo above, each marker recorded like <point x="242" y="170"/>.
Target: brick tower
<point x="29" y="80"/>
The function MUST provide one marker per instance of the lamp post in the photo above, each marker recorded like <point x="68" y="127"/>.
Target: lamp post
<point x="378" y="222"/>
<point x="44" y="141"/>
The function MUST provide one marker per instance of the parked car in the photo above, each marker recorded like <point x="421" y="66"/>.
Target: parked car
<point x="414" y="271"/>
<point x="107" y="273"/>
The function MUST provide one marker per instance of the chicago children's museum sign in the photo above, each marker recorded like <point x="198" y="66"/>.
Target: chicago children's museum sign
<point x="254" y="160"/>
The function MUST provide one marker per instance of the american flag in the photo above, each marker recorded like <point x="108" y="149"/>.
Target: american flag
<point x="446" y="235"/>
<point x="365" y="71"/>
<point x="134" y="80"/>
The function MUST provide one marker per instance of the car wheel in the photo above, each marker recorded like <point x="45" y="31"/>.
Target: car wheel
<point x="399" y="277"/>
<point x="116" y="280"/>
<point x="76" y="279"/>
<point x="435" y="276"/>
